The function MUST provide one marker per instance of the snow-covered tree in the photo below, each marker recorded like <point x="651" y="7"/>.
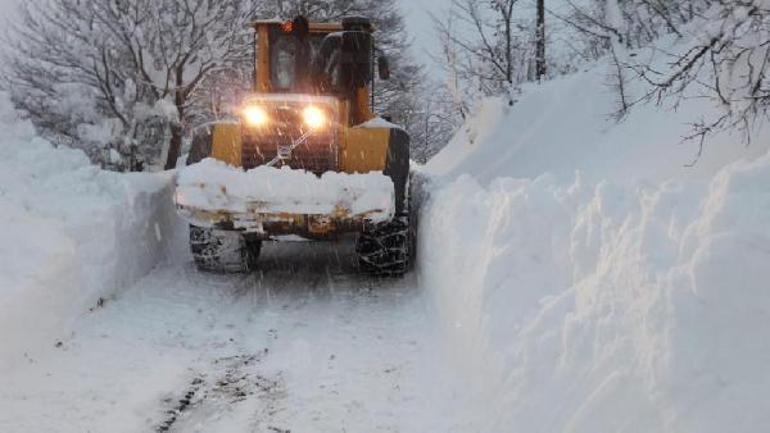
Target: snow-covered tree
<point x="728" y="61"/>
<point x="438" y="122"/>
<point x="491" y="47"/>
<point x="118" y="77"/>
<point x="722" y="54"/>
<point x="128" y="80"/>
<point x="632" y="23"/>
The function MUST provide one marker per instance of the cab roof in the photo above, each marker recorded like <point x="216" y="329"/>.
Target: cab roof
<point x="319" y="27"/>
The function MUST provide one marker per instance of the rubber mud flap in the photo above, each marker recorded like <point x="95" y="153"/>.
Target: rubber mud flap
<point x="397" y="166"/>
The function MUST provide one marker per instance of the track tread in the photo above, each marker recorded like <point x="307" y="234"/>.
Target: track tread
<point x="223" y="251"/>
<point x="384" y="250"/>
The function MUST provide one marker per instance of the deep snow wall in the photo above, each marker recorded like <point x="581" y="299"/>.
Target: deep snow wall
<point x="71" y="234"/>
<point x="587" y="281"/>
<point x="585" y="308"/>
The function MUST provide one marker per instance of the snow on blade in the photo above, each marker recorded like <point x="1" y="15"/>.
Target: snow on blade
<point x="378" y="122"/>
<point x="215" y="186"/>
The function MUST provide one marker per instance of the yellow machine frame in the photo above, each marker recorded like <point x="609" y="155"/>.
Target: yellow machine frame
<point x="361" y="149"/>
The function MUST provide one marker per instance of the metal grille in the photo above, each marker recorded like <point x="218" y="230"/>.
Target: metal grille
<point x="318" y="154"/>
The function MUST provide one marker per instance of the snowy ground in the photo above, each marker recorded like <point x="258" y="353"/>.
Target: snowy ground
<point x="304" y="345"/>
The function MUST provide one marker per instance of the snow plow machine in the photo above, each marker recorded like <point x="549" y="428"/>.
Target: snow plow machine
<point x="303" y="157"/>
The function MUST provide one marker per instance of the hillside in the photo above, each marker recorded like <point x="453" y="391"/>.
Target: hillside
<point x="569" y="126"/>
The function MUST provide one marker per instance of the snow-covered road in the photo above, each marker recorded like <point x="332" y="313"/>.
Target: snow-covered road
<point x="305" y="345"/>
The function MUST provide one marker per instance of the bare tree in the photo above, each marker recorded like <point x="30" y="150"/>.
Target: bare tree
<point x="492" y="47"/>
<point x="540" y="59"/>
<point x="730" y="64"/>
<point x="722" y="55"/>
<point x="613" y="27"/>
<point x="632" y="23"/>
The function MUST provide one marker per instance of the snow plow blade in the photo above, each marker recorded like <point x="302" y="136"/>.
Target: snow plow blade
<point x="269" y="202"/>
<point x="269" y="224"/>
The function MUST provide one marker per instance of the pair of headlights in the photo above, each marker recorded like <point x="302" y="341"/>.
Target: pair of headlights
<point x="312" y="116"/>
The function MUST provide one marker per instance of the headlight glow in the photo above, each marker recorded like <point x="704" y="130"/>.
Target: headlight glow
<point x="255" y="115"/>
<point x="314" y="117"/>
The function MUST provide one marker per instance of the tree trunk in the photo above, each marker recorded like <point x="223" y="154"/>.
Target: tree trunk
<point x="177" y="132"/>
<point x="540" y="68"/>
<point x="174" y="147"/>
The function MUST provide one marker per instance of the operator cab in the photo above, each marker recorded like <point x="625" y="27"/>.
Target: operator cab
<point x="329" y="59"/>
<point x="312" y="88"/>
<point x="289" y="48"/>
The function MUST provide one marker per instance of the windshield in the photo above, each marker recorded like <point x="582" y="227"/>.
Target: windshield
<point x="284" y="54"/>
<point x="291" y="59"/>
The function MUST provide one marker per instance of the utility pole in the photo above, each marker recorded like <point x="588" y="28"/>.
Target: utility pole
<point x="540" y="68"/>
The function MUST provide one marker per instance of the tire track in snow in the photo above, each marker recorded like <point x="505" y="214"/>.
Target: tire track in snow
<point x="335" y="351"/>
<point x="231" y="382"/>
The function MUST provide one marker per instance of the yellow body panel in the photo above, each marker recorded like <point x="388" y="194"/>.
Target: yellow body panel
<point x="227" y="143"/>
<point x="263" y="59"/>
<point x="364" y="150"/>
<point x="359" y="150"/>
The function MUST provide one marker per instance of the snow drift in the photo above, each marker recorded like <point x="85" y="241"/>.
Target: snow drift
<point x="72" y="234"/>
<point x="588" y="281"/>
<point x="567" y="125"/>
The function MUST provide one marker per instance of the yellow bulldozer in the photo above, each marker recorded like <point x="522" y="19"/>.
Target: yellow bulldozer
<point x="311" y="110"/>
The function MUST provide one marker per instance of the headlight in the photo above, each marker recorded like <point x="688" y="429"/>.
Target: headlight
<point x="255" y="115"/>
<point x="314" y="117"/>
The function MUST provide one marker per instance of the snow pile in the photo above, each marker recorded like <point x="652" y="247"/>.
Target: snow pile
<point x="588" y="281"/>
<point x="71" y="234"/>
<point x="598" y="308"/>
<point x="213" y="185"/>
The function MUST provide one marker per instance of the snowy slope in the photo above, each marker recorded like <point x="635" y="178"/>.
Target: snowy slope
<point x="568" y="125"/>
<point x="631" y="297"/>
<point x="71" y="234"/>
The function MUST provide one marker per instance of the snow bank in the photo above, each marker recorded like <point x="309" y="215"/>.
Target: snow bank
<point x="71" y="234"/>
<point x="588" y="281"/>
<point x="214" y="185"/>
<point x="596" y="308"/>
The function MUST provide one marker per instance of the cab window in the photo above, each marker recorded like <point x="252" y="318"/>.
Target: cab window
<point x="283" y="61"/>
